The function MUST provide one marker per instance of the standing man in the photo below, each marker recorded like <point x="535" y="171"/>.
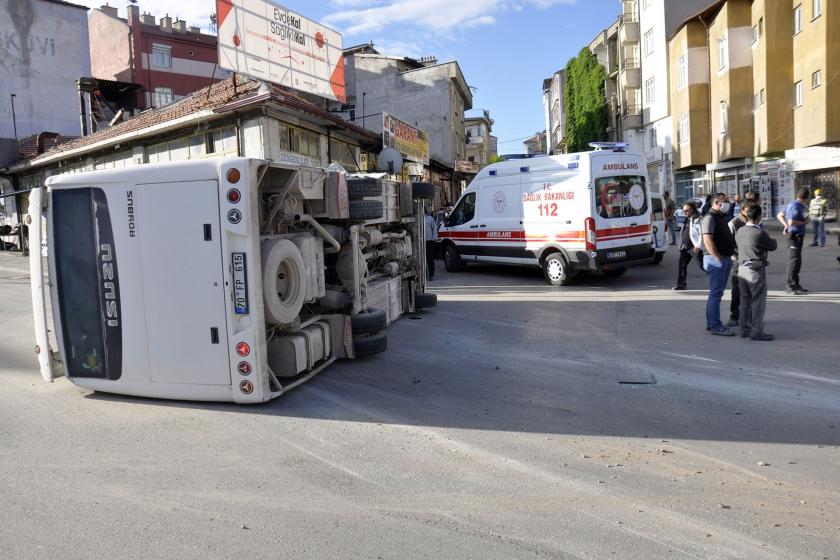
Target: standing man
<point x="753" y="244"/>
<point x="794" y="219"/>
<point x="431" y="243"/>
<point x="736" y="207"/>
<point x="670" y="218"/>
<point x="819" y="207"/>
<point x="687" y="248"/>
<point x="718" y="248"/>
<point x="736" y="223"/>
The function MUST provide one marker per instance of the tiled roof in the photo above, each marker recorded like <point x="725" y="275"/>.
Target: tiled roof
<point x="218" y="97"/>
<point x="28" y="146"/>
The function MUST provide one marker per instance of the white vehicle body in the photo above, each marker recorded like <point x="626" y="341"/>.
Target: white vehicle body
<point x="591" y="209"/>
<point x="227" y="279"/>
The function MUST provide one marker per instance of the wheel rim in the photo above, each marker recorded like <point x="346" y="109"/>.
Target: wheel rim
<point x="554" y="270"/>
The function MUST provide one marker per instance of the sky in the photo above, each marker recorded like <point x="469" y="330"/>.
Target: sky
<point x="505" y="48"/>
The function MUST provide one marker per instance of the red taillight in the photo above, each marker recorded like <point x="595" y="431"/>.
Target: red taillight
<point x="243" y="349"/>
<point x="589" y="228"/>
<point x="234" y="196"/>
<point x="244" y="368"/>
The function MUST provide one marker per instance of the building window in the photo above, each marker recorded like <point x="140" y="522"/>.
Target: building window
<point x="650" y="90"/>
<point x="723" y="117"/>
<point x="648" y="42"/>
<point x="682" y="72"/>
<point x="300" y="141"/>
<point x="760" y="27"/>
<point x="797" y="19"/>
<point x="797" y="94"/>
<point x="816" y="79"/>
<point x="653" y="141"/>
<point x="162" y="96"/>
<point x="723" y="52"/>
<point x="761" y="96"/>
<point x="683" y="128"/>
<point x="816" y="8"/>
<point x="162" y="56"/>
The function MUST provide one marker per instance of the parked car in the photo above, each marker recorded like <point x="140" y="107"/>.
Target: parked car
<point x="698" y="202"/>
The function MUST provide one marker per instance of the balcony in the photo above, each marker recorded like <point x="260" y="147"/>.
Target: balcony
<point x="631" y="74"/>
<point x="631" y="116"/>
<point x="628" y="33"/>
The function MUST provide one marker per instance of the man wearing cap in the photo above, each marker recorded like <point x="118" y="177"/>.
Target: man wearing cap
<point x="794" y="219"/>
<point x="818" y="209"/>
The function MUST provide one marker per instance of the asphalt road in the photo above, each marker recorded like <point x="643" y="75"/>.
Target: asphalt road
<point x="513" y="421"/>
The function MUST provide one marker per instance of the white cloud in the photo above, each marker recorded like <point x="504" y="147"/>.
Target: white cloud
<point x="429" y="15"/>
<point x="194" y="12"/>
<point x="398" y="48"/>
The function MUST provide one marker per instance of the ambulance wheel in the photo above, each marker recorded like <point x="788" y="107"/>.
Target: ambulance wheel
<point x="452" y="259"/>
<point x="365" y="210"/>
<point x="360" y="188"/>
<point x="615" y="272"/>
<point x="367" y="322"/>
<point x="424" y="301"/>
<point x="370" y="345"/>
<point x="423" y="190"/>
<point x="556" y="270"/>
<point x="658" y="258"/>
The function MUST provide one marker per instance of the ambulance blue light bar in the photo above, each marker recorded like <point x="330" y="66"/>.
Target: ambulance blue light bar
<point x="614" y="146"/>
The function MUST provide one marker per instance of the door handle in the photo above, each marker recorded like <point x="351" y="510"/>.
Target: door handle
<point x="473" y="227"/>
<point x="483" y="225"/>
<point x="634" y="224"/>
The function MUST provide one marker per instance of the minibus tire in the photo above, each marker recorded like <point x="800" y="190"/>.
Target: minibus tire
<point x="423" y="190"/>
<point x="366" y="210"/>
<point x="556" y="270"/>
<point x="615" y="272"/>
<point x="360" y="188"/>
<point x="370" y="345"/>
<point x="281" y="256"/>
<point x="658" y="258"/>
<point x="367" y="322"/>
<point x="425" y="301"/>
<point x="451" y="259"/>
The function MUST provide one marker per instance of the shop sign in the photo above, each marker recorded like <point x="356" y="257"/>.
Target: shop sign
<point x="411" y="142"/>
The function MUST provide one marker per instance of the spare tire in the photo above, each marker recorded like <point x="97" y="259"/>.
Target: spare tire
<point x="423" y="190"/>
<point x="366" y="210"/>
<point x="284" y="281"/>
<point x="424" y="301"/>
<point x="367" y="322"/>
<point x="370" y="345"/>
<point x="360" y="188"/>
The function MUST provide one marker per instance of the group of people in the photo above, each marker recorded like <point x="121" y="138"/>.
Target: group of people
<point x="730" y="242"/>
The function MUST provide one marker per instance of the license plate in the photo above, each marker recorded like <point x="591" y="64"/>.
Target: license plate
<point x="616" y="255"/>
<point x="240" y="284"/>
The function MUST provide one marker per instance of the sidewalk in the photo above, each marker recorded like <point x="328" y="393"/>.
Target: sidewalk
<point x="12" y="261"/>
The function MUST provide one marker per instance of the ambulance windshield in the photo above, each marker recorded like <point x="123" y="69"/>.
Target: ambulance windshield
<point x="623" y="196"/>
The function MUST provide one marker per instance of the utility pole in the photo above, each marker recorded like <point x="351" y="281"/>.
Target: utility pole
<point x="14" y="123"/>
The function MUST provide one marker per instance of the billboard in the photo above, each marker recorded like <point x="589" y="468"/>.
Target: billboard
<point x="412" y="143"/>
<point x="264" y="40"/>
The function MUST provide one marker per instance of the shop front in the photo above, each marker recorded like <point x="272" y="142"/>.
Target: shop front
<point x="817" y="168"/>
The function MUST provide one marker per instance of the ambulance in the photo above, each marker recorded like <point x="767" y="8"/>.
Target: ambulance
<point x="566" y="214"/>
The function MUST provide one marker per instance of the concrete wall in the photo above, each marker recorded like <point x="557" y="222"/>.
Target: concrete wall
<point x="772" y="74"/>
<point x="693" y="98"/>
<point x="426" y="98"/>
<point x="110" y="53"/>
<point x="733" y="84"/>
<point x="43" y="52"/>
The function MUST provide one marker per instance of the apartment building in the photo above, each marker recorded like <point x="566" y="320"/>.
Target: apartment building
<point x="168" y="58"/>
<point x="555" y="112"/>
<point x="756" y="74"/>
<point x="620" y="60"/>
<point x="481" y="145"/>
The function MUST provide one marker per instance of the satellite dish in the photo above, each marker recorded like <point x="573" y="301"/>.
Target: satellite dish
<point x="390" y="160"/>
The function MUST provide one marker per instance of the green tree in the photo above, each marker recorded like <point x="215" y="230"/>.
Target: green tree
<point x="495" y="158"/>
<point x="585" y="102"/>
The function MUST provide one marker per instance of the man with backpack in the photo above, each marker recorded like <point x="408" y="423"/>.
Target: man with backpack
<point x="718" y="248"/>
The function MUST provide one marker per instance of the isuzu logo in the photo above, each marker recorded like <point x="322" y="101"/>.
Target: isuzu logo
<point x="109" y="290"/>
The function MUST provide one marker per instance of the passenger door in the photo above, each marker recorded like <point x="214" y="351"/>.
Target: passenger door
<point x="461" y="227"/>
<point x="500" y="220"/>
<point x="183" y="282"/>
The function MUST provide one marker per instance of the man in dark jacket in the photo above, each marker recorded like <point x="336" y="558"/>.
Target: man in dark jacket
<point x="753" y="245"/>
<point x="736" y="223"/>
<point x="718" y="248"/>
<point x="687" y="249"/>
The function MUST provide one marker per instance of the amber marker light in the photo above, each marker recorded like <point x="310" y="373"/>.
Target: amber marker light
<point x="233" y="175"/>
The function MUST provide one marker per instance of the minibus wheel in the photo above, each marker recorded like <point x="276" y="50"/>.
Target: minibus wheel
<point x="360" y="188"/>
<point x="370" y="321"/>
<point x="556" y="270"/>
<point x="370" y="345"/>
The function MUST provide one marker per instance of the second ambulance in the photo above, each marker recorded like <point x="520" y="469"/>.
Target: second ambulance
<point x="565" y="213"/>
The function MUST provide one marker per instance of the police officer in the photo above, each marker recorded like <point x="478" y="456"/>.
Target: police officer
<point x="753" y="245"/>
<point x="794" y="219"/>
